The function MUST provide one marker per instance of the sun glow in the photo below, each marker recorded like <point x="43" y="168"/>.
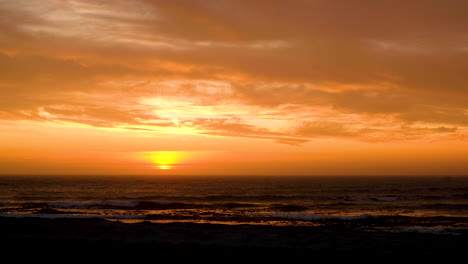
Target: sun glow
<point x="166" y="160"/>
<point x="165" y="167"/>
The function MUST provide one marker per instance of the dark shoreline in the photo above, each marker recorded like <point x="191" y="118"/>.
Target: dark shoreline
<point x="98" y="235"/>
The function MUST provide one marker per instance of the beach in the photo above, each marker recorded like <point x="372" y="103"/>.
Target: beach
<point x="352" y="238"/>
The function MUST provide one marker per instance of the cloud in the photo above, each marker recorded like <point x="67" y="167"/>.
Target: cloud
<point x="324" y="129"/>
<point x="237" y="128"/>
<point x="296" y="71"/>
<point x="441" y="129"/>
<point x="437" y="114"/>
<point x="104" y="116"/>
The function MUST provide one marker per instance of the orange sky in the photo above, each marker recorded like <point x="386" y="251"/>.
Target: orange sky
<point x="234" y="87"/>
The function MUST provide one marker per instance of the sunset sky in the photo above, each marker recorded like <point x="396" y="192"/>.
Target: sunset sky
<point x="241" y="87"/>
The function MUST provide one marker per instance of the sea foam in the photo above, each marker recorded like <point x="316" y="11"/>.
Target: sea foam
<point x="307" y="216"/>
<point x="55" y="216"/>
<point x="67" y="204"/>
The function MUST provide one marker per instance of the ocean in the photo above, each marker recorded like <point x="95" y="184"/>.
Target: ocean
<point x="435" y="204"/>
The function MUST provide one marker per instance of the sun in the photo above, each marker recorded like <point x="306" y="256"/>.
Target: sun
<point x="165" y="160"/>
<point x="164" y="167"/>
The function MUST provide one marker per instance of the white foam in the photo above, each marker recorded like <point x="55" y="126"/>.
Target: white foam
<point x="308" y="216"/>
<point x="50" y="216"/>
<point x="66" y="204"/>
<point x="54" y="216"/>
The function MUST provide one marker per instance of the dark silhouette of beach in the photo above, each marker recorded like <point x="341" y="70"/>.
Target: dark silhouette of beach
<point x="95" y="235"/>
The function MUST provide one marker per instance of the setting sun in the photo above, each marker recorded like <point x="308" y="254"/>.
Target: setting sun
<point x="165" y="160"/>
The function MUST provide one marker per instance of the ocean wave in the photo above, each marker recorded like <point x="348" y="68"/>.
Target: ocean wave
<point x="221" y="198"/>
<point x="306" y="216"/>
<point x="141" y="205"/>
<point x="453" y="206"/>
<point x="279" y="198"/>
<point x="289" y="208"/>
<point x="363" y="198"/>
<point x="386" y="198"/>
<point x="50" y="216"/>
<point x="80" y="216"/>
<point x="132" y="200"/>
<point x="67" y="204"/>
<point x="461" y="196"/>
<point x="138" y="205"/>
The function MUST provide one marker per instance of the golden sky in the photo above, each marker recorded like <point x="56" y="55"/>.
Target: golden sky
<point x="326" y="87"/>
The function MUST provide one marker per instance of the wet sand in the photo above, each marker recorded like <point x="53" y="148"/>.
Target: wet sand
<point x="97" y="236"/>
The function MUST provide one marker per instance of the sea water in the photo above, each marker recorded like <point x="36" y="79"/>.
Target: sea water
<point x="271" y="200"/>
